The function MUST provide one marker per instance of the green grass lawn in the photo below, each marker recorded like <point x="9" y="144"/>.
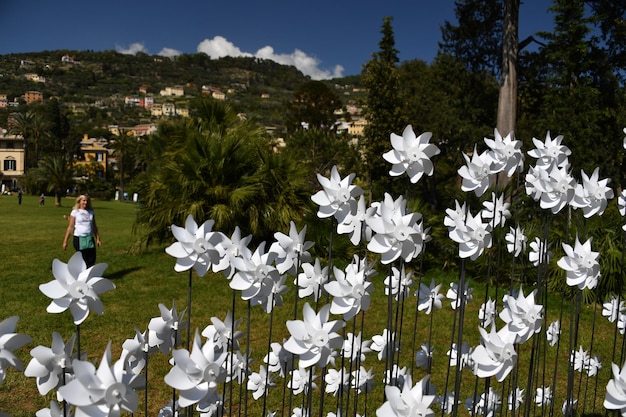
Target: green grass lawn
<point x="32" y="238"/>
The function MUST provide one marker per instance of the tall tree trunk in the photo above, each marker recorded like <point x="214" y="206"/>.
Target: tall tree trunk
<point x="507" y="99"/>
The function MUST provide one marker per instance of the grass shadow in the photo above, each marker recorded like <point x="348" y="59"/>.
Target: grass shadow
<point x="121" y="273"/>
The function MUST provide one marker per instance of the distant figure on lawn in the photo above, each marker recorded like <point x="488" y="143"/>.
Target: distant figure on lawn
<point x="19" y="196"/>
<point x="42" y="200"/>
<point x="82" y="225"/>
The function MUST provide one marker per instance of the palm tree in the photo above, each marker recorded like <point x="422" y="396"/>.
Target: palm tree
<point x="54" y="174"/>
<point x="123" y="147"/>
<point x="34" y="129"/>
<point x="217" y="167"/>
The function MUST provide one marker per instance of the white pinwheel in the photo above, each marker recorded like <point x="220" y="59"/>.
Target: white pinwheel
<point x="411" y="154"/>
<point x="476" y="173"/>
<point x="231" y="253"/>
<point x="621" y="323"/>
<point x="135" y="351"/>
<point x="383" y="343"/>
<point x="256" y="276"/>
<point x="237" y="368"/>
<point x="487" y="312"/>
<point x="621" y="206"/>
<point x="579" y="359"/>
<point x="224" y="333"/>
<point x="535" y="180"/>
<point x="448" y="402"/>
<point x="456" y="298"/>
<point x="395" y="376"/>
<point x="311" y="280"/>
<point x="424" y="356"/>
<point x="615" y="398"/>
<point x="337" y="197"/>
<point x="336" y="381"/>
<point x="105" y="391"/>
<point x="593" y="366"/>
<point x="277" y="359"/>
<point x="505" y="153"/>
<point x="613" y="308"/>
<point x="314" y="339"/>
<point x="408" y="401"/>
<point x="291" y="250"/>
<point x="558" y="190"/>
<point x="543" y="396"/>
<point x="300" y="380"/>
<point x="581" y="265"/>
<point x="429" y="297"/>
<point x="496" y="211"/>
<point x="260" y="382"/>
<point x="455" y="216"/>
<point x="350" y="291"/>
<point x="488" y="404"/>
<point x="163" y="330"/>
<point x="10" y="341"/>
<point x="397" y="234"/>
<point x="495" y="356"/>
<point x="195" y="246"/>
<point x="539" y="253"/>
<point x="362" y="380"/>
<point x="550" y="151"/>
<point x="76" y="287"/>
<point x="473" y="236"/>
<point x="592" y="195"/>
<point x="398" y="283"/>
<point x="569" y="406"/>
<point x="516" y="241"/>
<point x="275" y="296"/>
<point x="553" y="332"/>
<point x="523" y="317"/>
<point x="50" y="365"/>
<point x="355" y="223"/>
<point x="196" y="375"/>
<point x="354" y="348"/>
<point x="462" y="357"/>
<point x="516" y="399"/>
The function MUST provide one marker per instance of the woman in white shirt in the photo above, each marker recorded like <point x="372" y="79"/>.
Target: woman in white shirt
<point x="83" y="227"/>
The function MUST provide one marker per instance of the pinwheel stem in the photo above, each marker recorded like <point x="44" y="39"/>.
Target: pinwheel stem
<point x="247" y="358"/>
<point x="231" y="356"/>
<point x="145" y="393"/>
<point x="461" y="308"/>
<point x="189" y="308"/>
<point x="269" y="344"/>
<point x="78" y="352"/>
<point x="390" y="341"/>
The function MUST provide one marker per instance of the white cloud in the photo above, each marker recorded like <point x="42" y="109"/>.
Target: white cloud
<point x="169" y="52"/>
<point x="132" y="49"/>
<point x="219" y="47"/>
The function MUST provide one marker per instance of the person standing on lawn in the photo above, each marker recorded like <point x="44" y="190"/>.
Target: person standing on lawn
<point x="82" y="225"/>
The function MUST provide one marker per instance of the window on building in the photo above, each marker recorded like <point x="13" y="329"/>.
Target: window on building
<point x="10" y="165"/>
<point x="100" y="157"/>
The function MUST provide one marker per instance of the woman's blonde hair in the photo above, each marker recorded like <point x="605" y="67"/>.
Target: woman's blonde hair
<point x="80" y="197"/>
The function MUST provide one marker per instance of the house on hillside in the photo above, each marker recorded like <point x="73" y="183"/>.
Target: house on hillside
<point x="169" y="109"/>
<point x="176" y="91"/>
<point x="357" y="127"/>
<point x="143" y="129"/>
<point x="12" y="159"/>
<point x="93" y="155"/>
<point x="33" y="96"/>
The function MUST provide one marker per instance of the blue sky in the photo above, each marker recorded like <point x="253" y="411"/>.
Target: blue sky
<point x="324" y="39"/>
